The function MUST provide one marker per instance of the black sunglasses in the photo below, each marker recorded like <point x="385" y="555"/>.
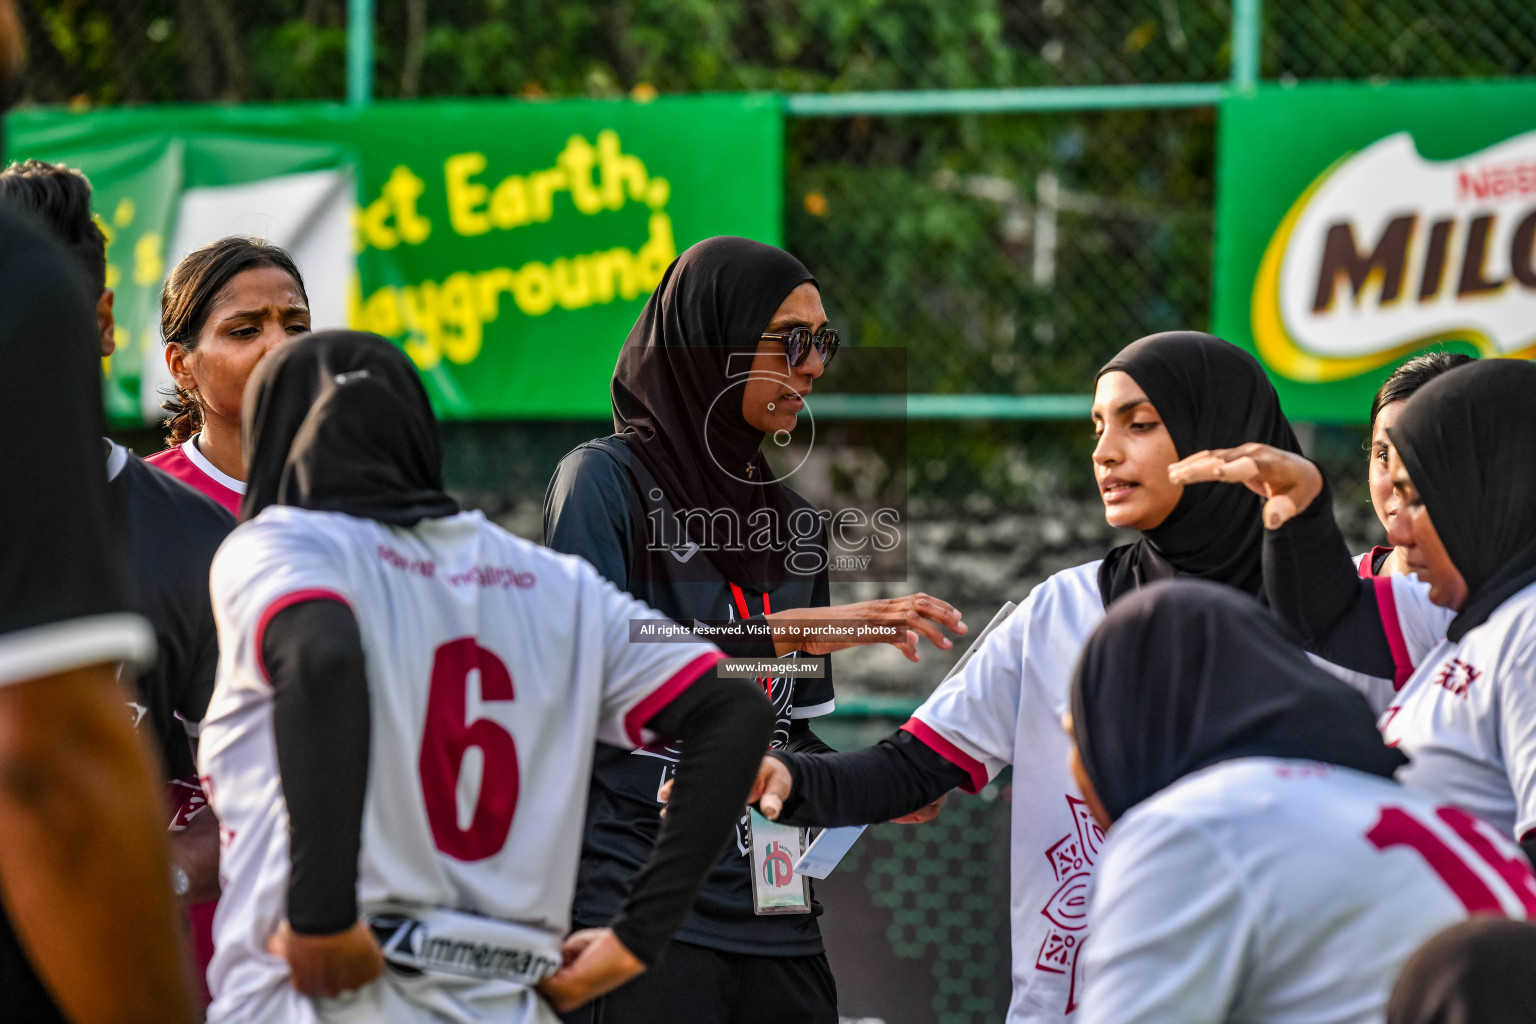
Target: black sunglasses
<point x="799" y="342"/>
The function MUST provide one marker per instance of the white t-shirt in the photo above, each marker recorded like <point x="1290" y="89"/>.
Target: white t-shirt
<point x="1467" y="719"/>
<point x="1272" y="891"/>
<point x="1005" y="707"/>
<point x="493" y="665"/>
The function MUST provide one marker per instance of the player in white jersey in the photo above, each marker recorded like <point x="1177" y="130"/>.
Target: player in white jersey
<point x="1413" y="634"/>
<point x="1462" y="454"/>
<point x="1162" y="395"/>
<point x="400" y="739"/>
<point x="1401" y="384"/>
<point x="1262" y="866"/>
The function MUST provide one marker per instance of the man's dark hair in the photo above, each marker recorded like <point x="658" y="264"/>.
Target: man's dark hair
<point x="61" y="197"/>
<point x="1412" y="375"/>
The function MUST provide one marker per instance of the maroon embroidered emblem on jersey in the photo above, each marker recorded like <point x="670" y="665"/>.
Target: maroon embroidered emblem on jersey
<point x="1457" y="676"/>
<point x="1072" y="858"/>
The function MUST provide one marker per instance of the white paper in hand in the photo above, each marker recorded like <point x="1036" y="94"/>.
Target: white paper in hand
<point x="834" y="843"/>
<point x="828" y="848"/>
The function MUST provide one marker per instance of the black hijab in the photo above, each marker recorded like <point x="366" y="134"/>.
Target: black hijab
<point x="1184" y="674"/>
<point x="1468" y="440"/>
<point x="692" y="345"/>
<point x="1210" y="394"/>
<point x="1481" y="971"/>
<point x="338" y="422"/>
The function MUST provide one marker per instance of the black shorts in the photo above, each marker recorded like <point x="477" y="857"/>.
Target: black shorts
<point x="705" y="986"/>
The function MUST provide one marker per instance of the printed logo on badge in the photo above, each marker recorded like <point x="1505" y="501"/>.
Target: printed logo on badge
<point x="776" y="887"/>
<point x="778" y="868"/>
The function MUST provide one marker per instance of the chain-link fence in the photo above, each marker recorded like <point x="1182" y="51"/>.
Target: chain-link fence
<point x="137" y="51"/>
<point x="1010" y="252"/>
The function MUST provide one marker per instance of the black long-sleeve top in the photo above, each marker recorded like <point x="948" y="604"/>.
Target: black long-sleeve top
<point x="596" y="508"/>
<point x="1314" y="588"/>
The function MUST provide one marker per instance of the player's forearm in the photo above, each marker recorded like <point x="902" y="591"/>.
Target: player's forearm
<point x="1311" y="584"/>
<point x="724" y="726"/>
<point x="893" y="778"/>
<point x="320" y="720"/>
<point x="84" y="866"/>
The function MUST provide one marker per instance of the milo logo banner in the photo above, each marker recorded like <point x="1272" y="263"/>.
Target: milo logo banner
<point x="1358" y="225"/>
<point x="506" y="246"/>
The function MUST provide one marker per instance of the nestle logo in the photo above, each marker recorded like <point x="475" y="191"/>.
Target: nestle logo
<point x="1496" y="181"/>
<point x="1457" y="676"/>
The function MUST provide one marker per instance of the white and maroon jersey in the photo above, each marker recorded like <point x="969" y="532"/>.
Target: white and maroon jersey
<point x="1413" y="625"/>
<point x="1467" y="719"/>
<point x="493" y="665"/>
<point x="1005" y="707"/>
<point x="1273" y="891"/>
<point x="188" y="464"/>
<point x="1365" y="564"/>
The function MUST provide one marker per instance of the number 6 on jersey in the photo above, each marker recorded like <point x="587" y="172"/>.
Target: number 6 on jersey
<point x="447" y="737"/>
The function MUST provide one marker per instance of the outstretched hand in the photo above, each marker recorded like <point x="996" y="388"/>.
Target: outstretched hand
<point x="922" y="614"/>
<point x="593" y="963"/>
<point x="1288" y="482"/>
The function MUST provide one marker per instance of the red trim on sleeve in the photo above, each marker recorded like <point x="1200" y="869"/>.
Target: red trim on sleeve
<point x="949" y="752"/>
<point x="1386" y="605"/>
<point x="1369" y="559"/>
<point x="286" y="601"/>
<point x="665" y="694"/>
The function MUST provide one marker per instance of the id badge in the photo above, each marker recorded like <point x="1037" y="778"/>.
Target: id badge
<point x="777" y="888"/>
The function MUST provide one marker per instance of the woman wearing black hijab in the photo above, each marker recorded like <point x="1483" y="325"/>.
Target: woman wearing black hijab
<point x="1462" y="466"/>
<point x="1261" y="865"/>
<point x="674" y="508"/>
<point x="1163" y="396"/>
<point x="1479" y="972"/>
<point x="372" y="635"/>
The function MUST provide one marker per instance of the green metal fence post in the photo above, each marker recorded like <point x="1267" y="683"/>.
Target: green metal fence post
<point x="1247" y="26"/>
<point x="359" y="52"/>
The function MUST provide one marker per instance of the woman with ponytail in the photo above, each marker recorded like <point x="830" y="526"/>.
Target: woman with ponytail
<point x="223" y="308"/>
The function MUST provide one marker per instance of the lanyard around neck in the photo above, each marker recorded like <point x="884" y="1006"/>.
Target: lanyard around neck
<point x="741" y="602"/>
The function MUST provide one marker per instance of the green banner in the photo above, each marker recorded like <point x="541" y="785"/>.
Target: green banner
<point x="507" y="246"/>
<point x="1357" y="225"/>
